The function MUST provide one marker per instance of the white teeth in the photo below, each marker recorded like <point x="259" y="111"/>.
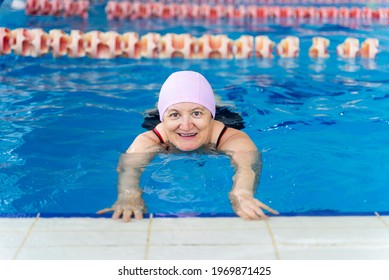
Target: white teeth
<point x="187" y="135"/>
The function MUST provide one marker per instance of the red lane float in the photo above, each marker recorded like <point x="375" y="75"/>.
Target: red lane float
<point x="65" y="8"/>
<point x="229" y="9"/>
<point x="76" y="45"/>
<point x="131" y="47"/>
<point x="108" y="45"/>
<point x="30" y="42"/>
<point x="150" y="45"/>
<point x="243" y="46"/>
<point x="104" y="45"/>
<point x="59" y="42"/>
<point x="6" y="41"/>
<point x="327" y="2"/>
<point x="177" y="45"/>
<point x="215" y="46"/>
<point x="137" y="9"/>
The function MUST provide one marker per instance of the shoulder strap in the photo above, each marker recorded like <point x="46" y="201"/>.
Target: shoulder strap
<point x="158" y="135"/>
<point x="220" y="136"/>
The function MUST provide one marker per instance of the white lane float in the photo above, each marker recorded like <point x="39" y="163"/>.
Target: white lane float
<point x="264" y="47"/>
<point x="289" y="47"/>
<point x="319" y="48"/>
<point x="349" y="48"/>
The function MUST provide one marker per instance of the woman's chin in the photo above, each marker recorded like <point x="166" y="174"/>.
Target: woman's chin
<point x="187" y="147"/>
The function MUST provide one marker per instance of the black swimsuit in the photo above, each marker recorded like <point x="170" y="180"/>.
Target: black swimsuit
<point x="217" y="142"/>
<point x="220" y="136"/>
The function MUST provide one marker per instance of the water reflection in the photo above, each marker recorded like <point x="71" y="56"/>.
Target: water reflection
<point x="318" y="65"/>
<point x="349" y="65"/>
<point x="369" y="64"/>
<point x="288" y="63"/>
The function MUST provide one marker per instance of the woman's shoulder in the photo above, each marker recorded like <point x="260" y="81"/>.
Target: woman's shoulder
<point x="145" y="142"/>
<point x="236" y="140"/>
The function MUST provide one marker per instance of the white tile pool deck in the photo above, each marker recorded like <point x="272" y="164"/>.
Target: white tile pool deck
<point x="284" y="238"/>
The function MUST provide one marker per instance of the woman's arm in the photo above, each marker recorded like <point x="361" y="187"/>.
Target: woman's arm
<point x="130" y="168"/>
<point x="247" y="162"/>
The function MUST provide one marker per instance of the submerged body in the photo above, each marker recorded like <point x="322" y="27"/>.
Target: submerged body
<point x="186" y="127"/>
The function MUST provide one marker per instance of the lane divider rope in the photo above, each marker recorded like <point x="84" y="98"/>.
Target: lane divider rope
<point x="259" y="9"/>
<point x="138" y="10"/>
<point x="107" y="45"/>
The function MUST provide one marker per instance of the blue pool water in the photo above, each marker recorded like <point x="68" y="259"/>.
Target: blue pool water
<point x="322" y="125"/>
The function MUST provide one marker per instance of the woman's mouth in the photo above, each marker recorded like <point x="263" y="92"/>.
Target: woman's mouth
<point x="187" y="134"/>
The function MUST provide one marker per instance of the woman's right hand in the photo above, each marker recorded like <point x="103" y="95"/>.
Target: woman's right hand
<point x="248" y="207"/>
<point x="126" y="207"/>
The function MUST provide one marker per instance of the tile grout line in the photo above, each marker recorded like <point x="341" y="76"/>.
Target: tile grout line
<point x="26" y="236"/>
<point x="379" y="218"/>
<point x="273" y="240"/>
<point x="148" y="237"/>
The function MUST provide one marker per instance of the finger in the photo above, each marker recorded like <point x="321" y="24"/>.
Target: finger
<point x="249" y="212"/>
<point x="127" y="215"/>
<point x="138" y="214"/>
<point x="104" y="211"/>
<point x="246" y="211"/>
<point x="267" y="208"/>
<point x="260" y="214"/>
<point x="116" y="215"/>
<point x="243" y="215"/>
<point x="253" y="211"/>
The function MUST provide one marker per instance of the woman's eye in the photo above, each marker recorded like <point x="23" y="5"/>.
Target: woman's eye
<point x="174" y="115"/>
<point x="197" y="114"/>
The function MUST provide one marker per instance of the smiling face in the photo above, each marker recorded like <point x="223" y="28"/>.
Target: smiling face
<point x="188" y="125"/>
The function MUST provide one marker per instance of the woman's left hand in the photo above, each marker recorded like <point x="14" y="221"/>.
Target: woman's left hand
<point x="248" y="207"/>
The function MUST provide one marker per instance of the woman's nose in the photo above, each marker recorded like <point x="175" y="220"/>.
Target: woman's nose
<point x="186" y="123"/>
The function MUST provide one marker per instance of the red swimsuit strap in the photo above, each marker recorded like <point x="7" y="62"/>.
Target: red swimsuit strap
<point x="158" y="135"/>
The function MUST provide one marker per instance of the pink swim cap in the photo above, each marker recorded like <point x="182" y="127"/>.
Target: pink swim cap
<point x="186" y="86"/>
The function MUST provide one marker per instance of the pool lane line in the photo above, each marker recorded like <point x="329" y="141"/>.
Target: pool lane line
<point x="382" y="220"/>
<point x="26" y="236"/>
<point x="147" y="248"/>
<point x="273" y="239"/>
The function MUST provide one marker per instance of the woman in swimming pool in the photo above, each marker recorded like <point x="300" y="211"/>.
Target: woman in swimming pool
<point x="187" y="109"/>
